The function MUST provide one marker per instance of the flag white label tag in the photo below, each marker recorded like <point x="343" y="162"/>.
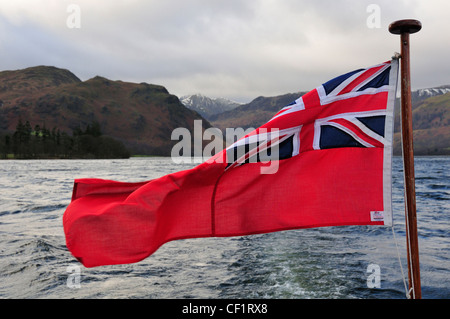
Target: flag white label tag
<point x="376" y="216"/>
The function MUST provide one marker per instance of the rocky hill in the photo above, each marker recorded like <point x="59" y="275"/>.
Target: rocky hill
<point x="431" y="126"/>
<point x="142" y="116"/>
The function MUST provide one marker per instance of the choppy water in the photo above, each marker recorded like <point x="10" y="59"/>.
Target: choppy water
<point x="311" y="263"/>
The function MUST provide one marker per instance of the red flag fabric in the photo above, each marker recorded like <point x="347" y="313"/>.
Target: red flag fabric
<point x="323" y="160"/>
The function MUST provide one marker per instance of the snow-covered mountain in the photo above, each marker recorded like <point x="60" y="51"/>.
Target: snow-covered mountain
<point x="207" y="106"/>
<point x="422" y="94"/>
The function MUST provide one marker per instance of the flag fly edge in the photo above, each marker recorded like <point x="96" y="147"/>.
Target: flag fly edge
<point x="388" y="149"/>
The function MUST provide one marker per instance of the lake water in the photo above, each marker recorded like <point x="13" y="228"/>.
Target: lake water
<point x="321" y="263"/>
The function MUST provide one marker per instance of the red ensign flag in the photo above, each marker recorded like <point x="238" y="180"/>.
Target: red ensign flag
<point x="323" y="160"/>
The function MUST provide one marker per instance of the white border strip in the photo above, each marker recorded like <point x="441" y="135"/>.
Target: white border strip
<point x="388" y="146"/>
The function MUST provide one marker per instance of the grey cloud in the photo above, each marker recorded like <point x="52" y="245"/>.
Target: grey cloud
<point x="237" y="49"/>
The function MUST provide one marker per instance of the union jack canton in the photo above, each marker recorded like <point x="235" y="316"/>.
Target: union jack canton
<point x="343" y="112"/>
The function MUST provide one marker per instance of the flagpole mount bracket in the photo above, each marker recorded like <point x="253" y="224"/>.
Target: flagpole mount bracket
<point x="405" y="26"/>
<point x="396" y="56"/>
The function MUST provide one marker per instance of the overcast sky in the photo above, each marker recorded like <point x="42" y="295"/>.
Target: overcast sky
<point x="238" y="49"/>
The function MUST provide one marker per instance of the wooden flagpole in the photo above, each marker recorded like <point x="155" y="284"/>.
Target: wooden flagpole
<point x="404" y="28"/>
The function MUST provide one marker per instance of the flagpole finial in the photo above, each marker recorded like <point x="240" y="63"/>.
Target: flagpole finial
<point x="405" y="26"/>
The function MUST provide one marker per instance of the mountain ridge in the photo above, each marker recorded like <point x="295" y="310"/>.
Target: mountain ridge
<point x="140" y="115"/>
<point x="208" y="106"/>
<point x="143" y="116"/>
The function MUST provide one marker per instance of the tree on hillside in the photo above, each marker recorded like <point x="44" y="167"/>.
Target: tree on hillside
<point x="44" y="143"/>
